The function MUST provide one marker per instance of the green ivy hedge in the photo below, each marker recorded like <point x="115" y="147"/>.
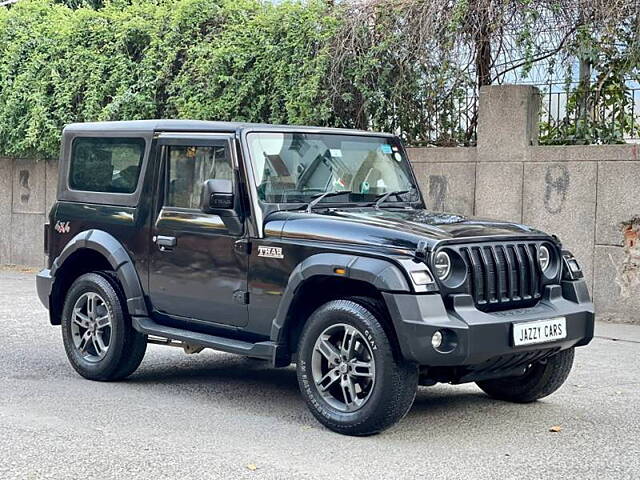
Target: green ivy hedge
<point x="238" y="60"/>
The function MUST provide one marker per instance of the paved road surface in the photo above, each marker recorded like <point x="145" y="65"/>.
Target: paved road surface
<point x="214" y="415"/>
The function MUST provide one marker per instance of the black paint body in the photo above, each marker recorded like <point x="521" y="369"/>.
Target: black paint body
<point x="216" y="283"/>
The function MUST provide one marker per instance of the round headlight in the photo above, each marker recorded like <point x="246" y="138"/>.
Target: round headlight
<point x="442" y="265"/>
<point x="544" y="257"/>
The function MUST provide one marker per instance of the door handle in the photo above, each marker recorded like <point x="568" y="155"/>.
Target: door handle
<point x="165" y="243"/>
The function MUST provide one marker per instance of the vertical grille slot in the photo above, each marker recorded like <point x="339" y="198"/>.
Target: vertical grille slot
<point x="522" y="271"/>
<point x="502" y="275"/>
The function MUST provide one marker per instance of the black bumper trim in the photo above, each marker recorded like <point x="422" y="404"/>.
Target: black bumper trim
<point x="482" y="336"/>
<point x="44" y="283"/>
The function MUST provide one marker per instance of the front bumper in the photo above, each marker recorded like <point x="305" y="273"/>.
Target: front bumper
<point x="485" y="336"/>
<point x="44" y="283"/>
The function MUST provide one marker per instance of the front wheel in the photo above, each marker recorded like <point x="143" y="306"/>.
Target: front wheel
<point x="539" y="380"/>
<point x="98" y="337"/>
<point x="347" y="371"/>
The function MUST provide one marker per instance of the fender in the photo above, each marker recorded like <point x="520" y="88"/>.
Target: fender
<point x="382" y="274"/>
<point x="110" y="248"/>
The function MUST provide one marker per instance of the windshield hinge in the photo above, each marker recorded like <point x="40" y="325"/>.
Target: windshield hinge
<point x="421" y="249"/>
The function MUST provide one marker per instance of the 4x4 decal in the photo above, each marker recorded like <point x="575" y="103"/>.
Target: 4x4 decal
<point x="62" y="227"/>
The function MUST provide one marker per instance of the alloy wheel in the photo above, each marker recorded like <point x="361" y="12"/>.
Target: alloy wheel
<point x="343" y="367"/>
<point x="91" y="327"/>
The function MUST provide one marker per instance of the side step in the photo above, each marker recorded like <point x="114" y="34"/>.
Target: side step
<point x="274" y="353"/>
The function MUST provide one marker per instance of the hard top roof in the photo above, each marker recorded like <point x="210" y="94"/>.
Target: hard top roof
<point x="149" y="126"/>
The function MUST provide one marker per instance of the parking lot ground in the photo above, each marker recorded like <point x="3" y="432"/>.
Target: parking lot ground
<point x="214" y="415"/>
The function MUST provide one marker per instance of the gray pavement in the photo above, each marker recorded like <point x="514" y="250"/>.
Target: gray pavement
<point x="214" y="415"/>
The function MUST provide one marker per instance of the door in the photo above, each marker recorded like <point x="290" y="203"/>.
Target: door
<point x="196" y="270"/>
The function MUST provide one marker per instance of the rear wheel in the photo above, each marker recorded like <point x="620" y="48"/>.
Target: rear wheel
<point x="539" y="380"/>
<point x="98" y="337"/>
<point x="347" y="372"/>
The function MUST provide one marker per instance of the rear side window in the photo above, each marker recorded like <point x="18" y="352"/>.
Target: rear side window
<point x="109" y="165"/>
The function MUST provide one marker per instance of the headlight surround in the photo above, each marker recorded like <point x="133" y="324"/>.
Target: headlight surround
<point x="442" y="265"/>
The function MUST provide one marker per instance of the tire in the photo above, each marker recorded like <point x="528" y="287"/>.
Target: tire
<point x="383" y="391"/>
<point x="91" y="301"/>
<point x="540" y="380"/>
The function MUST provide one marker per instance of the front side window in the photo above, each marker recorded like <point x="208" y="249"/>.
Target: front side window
<point x="110" y="165"/>
<point x="295" y="167"/>
<point x="190" y="167"/>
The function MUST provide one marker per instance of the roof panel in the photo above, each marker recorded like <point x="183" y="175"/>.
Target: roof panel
<point x="192" y="126"/>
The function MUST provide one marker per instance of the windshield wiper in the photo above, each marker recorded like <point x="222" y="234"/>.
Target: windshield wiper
<point x="318" y="198"/>
<point x="385" y="196"/>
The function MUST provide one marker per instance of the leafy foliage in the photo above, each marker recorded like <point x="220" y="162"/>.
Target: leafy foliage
<point x="601" y="109"/>
<point x="609" y="117"/>
<point x="205" y="59"/>
<point x="407" y="66"/>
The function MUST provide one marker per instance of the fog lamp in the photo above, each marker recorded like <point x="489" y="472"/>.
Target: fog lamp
<point x="436" y="339"/>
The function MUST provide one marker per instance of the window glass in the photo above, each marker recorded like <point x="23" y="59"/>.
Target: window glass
<point x="190" y="167"/>
<point x="106" y="164"/>
<point x="295" y="167"/>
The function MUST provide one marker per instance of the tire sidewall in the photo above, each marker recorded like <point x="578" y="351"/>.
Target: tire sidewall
<point x="355" y="315"/>
<point x="102" y="369"/>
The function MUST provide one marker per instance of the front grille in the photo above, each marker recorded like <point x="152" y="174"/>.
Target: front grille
<point x="504" y="275"/>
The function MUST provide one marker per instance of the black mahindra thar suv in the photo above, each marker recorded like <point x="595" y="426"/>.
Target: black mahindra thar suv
<point x="301" y="245"/>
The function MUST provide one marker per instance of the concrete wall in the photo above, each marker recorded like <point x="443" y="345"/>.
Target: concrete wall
<point x="588" y="195"/>
<point x="27" y="191"/>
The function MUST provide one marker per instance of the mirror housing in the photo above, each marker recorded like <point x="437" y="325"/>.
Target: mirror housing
<point x="217" y="198"/>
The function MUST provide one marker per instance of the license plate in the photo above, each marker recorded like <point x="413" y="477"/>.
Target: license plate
<point x="540" y="331"/>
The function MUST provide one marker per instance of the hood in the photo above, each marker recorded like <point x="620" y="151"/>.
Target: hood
<point x="395" y="228"/>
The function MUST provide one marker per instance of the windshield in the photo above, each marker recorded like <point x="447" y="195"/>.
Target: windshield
<point x="295" y="167"/>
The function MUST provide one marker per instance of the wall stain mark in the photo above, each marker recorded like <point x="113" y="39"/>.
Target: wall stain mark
<point x="25" y="188"/>
<point x="557" y="180"/>
<point x="438" y="187"/>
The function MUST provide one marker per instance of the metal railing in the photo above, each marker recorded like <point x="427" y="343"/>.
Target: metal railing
<point x="448" y="122"/>
<point x="571" y="114"/>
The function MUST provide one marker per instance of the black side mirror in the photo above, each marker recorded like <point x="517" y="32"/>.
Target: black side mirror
<point x="217" y="198"/>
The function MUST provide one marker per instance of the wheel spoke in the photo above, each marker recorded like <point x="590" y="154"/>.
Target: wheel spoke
<point x="361" y="369"/>
<point x="91" y="305"/>
<point x="349" y="393"/>
<point x="80" y="318"/>
<point x="348" y="342"/>
<point x="344" y="385"/>
<point x="84" y="341"/>
<point x="328" y="351"/>
<point x="103" y="321"/>
<point x="98" y="344"/>
<point x="331" y="376"/>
